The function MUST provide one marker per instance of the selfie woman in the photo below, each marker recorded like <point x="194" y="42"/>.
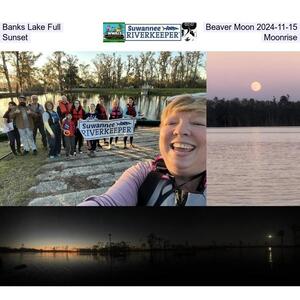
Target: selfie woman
<point x="178" y="176"/>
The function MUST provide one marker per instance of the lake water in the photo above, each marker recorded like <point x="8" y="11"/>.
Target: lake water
<point x="253" y="166"/>
<point x="151" y="106"/>
<point x="225" y="265"/>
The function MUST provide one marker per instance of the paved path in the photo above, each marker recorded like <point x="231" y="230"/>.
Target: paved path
<point x="68" y="182"/>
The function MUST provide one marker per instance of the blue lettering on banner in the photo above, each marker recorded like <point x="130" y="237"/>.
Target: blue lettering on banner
<point x="98" y="129"/>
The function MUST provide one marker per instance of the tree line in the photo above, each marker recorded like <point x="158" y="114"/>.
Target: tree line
<point x="62" y="71"/>
<point x="250" y="112"/>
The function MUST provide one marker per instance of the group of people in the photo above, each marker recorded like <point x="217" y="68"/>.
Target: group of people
<point x="175" y="178"/>
<point x="22" y="122"/>
<point x="59" y="127"/>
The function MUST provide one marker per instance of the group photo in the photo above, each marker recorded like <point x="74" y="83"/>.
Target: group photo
<point x="72" y="123"/>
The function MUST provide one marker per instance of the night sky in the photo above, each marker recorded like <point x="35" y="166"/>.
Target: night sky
<point x="82" y="227"/>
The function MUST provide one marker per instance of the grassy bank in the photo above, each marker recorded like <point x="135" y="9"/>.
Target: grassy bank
<point x="17" y="175"/>
<point x="176" y="91"/>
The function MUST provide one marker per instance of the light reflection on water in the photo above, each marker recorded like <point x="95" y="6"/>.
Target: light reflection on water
<point x="253" y="166"/>
<point x="237" y="263"/>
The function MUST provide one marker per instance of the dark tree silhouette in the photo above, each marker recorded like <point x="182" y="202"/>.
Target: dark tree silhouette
<point x="250" y="112"/>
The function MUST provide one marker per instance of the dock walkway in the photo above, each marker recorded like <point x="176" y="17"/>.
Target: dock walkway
<point x="69" y="182"/>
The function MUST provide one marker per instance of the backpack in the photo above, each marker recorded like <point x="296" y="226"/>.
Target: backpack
<point x="159" y="185"/>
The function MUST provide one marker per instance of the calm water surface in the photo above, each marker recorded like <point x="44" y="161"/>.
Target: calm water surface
<point x="150" y="106"/>
<point x="230" y="265"/>
<point x="254" y="166"/>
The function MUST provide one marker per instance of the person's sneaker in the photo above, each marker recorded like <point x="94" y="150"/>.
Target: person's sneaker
<point x="25" y="152"/>
<point x="74" y="153"/>
<point x="91" y="154"/>
<point x="125" y="147"/>
<point x="51" y="157"/>
<point x="109" y="147"/>
<point x="99" y="146"/>
<point x="34" y="152"/>
<point x="67" y="157"/>
<point x="80" y="152"/>
<point x="131" y="146"/>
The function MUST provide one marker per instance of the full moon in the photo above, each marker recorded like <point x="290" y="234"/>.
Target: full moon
<point x="256" y="86"/>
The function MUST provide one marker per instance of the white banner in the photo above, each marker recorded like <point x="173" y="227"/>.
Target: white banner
<point x="8" y="127"/>
<point x="98" y="129"/>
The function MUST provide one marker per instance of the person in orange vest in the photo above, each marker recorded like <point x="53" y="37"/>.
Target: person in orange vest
<point x="63" y="108"/>
<point x="78" y="113"/>
<point x="131" y="113"/>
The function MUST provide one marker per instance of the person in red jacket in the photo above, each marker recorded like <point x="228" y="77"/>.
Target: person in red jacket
<point x="131" y="113"/>
<point x="63" y="108"/>
<point x="101" y="115"/>
<point x="78" y="113"/>
<point x="69" y="129"/>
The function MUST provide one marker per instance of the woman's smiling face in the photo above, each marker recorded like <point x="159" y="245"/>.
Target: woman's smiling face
<point x="182" y="143"/>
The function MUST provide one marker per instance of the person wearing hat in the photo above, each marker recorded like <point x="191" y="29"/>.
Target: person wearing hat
<point x="24" y="119"/>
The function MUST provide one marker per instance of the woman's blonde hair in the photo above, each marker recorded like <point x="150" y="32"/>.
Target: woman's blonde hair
<point x="184" y="103"/>
<point x="115" y="101"/>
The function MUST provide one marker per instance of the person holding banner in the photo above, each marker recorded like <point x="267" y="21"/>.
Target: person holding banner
<point x="102" y="115"/>
<point x="116" y="112"/>
<point x="131" y="113"/>
<point x="78" y="113"/>
<point x="178" y="176"/>
<point x="11" y="129"/>
<point x="92" y="115"/>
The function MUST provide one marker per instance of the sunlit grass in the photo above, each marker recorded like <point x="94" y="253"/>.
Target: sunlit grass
<point x="18" y="174"/>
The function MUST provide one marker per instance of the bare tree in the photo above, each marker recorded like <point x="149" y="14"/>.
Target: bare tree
<point x="4" y="69"/>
